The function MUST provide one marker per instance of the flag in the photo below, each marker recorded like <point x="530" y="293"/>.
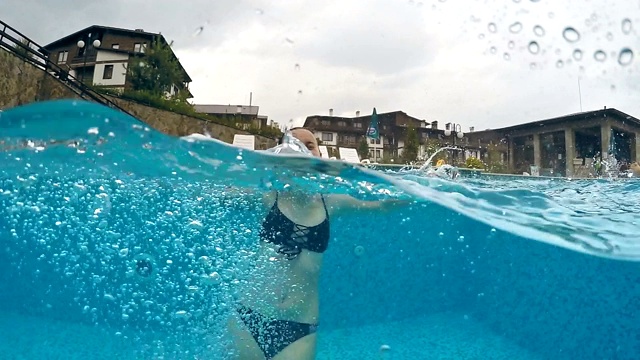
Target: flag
<point x="372" y="130"/>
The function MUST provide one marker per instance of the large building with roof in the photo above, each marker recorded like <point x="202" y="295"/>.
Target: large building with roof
<point x="100" y="55"/>
<point x="563" y="146"/>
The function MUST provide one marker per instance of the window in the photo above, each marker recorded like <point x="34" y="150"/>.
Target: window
<point x="139" y="47"/>
<point x="375" y="141"/>
<point x="327" y="137"/>
<point x="342" y="123"/>
<point x="325" y="122"/>
<point x="62" y="57"/>
<point x="115" y="46"/>
<point x="357" y="124"/>
<point x="108" y="72"/>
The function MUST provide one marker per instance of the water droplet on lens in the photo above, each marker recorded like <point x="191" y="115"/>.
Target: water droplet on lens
<point x="515" y="27"/>
<point x="481" y="36"/>
<point x="577" y="54"/>
<point x="493" y="49"/>
<point x="609" y="36"/>
<point x="538" y="30"/>
<point x="626" y="57"/>
<point x="559" y="64"/>
<point x="512" y="44"/>
<point x="600" y="55"/>
<point x="259" y="11"/>
<point x="516" y="1"/>
<point x="506" y="56"/>
<point x="570" y="34"/>
<point x="296" y="66"/>
<point x="626" y="26"/>
<point x="551" y="15"/>
<point x="534" y="48"/>
<point x="492" y="27"/>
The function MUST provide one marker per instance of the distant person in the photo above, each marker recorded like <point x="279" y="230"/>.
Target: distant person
<point x="635" y="169"/>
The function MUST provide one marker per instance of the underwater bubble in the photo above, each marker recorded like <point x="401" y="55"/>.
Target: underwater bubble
<point x="506" y="56"/>
<point x="559" y="64"/>
<point x="492" y="27"/>
<point x="533" y="47"/>
<point x="358" y="250"/>
<point x="626" y="57"/>
<point x="570" y="34"/>
<point x="626" y="26"/>
<point x="538" y="30"/>
<point x="600" y="55"/>
<point x="516" y="27"/>
<point x="577" y="54"/>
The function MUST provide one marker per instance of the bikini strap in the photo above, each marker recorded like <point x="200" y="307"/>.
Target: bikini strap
<point x="325" y="206"/>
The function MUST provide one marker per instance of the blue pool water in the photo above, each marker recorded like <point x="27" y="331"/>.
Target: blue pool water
<point x="477" y="268"/>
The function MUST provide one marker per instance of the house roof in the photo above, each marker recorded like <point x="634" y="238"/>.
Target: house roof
<point x="98" y="28"/>
<point x="78" y="34"/>
<point x="573" y="117"/>
<point x="227" y="109"/>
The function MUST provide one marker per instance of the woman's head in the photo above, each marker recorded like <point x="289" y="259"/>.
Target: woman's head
<point x="307" y="138"/>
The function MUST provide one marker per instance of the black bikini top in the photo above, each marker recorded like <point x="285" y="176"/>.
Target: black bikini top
<point x="292" y="238"/>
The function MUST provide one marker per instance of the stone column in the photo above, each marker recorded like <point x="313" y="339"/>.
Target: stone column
<point x="537" y="160"/>
<point x="605" y="133"/>
<point x="570" y="150"/>
<point x="637" y="148"/>
<point x="511" y="155"/>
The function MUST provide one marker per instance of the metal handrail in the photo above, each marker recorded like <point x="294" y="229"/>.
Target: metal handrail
<point x="36" y="55"/>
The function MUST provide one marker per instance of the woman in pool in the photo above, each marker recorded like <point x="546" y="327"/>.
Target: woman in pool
<point x="278" y="312"/>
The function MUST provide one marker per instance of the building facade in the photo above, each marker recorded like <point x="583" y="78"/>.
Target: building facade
<point x="336" y="131"/>
<point x="245" y="116"/>
<point x="566" y="145"/>
<point x="100" y="56"/>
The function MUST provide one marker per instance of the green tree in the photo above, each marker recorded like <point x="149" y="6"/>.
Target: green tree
<point x="155" y="71"/>
<point x="363" y="148"/>
<point x="474" y="163"/>
<point x="411" y="144"/>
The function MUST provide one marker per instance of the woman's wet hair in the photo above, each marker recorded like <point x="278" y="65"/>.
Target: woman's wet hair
<point x="281" y="140"/>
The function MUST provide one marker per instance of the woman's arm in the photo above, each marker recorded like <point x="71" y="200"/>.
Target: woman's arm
<point x="340" y="204"/>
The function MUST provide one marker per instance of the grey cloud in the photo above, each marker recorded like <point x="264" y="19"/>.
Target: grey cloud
<point x="44" y="22"/>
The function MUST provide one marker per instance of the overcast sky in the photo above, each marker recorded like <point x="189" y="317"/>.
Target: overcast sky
<point x="433" y="59"/>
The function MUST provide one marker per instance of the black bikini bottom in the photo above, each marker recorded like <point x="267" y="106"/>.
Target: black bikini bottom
<point x="273" y="335"/>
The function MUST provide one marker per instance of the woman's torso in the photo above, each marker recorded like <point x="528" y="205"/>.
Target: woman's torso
<point x="282" y="286"/>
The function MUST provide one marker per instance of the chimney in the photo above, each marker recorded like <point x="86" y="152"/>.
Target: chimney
<point x="358" y="113"/>
<point x="471" y="128"/>
<point x="330" y="112"/>
<point x="434" y="125"/>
